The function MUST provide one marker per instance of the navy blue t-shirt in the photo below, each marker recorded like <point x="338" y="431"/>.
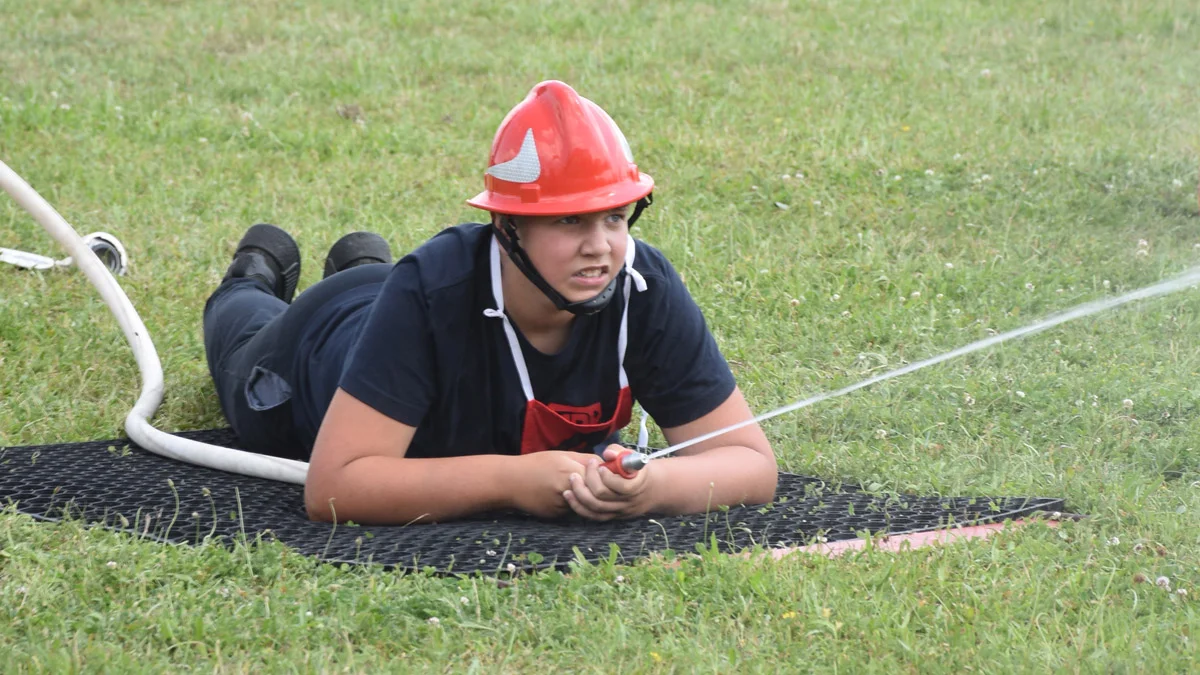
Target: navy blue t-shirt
<point x="419" y="350"/>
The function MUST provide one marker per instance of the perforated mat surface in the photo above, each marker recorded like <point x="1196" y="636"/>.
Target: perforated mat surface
<point x="123" y="487"/>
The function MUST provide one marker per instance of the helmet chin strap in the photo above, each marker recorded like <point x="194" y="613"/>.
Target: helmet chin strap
<point x="508" y="239"/>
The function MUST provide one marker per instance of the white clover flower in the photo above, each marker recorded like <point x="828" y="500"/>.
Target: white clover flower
<point x="1127" y="403"/>
<point x="956" y="310"/>
<point x="1059" y="291"/>
<point x="794" y="301"/>
<point x="64" y="106"/>
<point x="491" y="552"/>
<point x="835" y="297"/>
<point x="799" y="176"/>
<point x="846" y="314"/>
<point x="896" y="177"/>
<point x="939" y="296"/>
<point x="1137" y="548"/>
<point x="786" y="176"/>
<point x="1105" y="283"/>
<point x="754" y="188"/>
<point x="985" y="73"/>
<point x="620" y="579"/>
<point x="985" y="178"/>
<point x="928" y="172"/>
<point x="915" y="294"/>
<point x="881" y="433"/>
<point x="949" y="265"/>
<point x="1177" y="183"/>
<point x="816" y="202"/>
<point x="510" y="568"/>
<point x="203" y="140"/>
<point x="1020" y="394"/>
<point x="433" y="621"/>
<point x="1181" y="592"/>
<point x="464" y="600"/>
<point x="957" y="156"/>
<point x="1078" y="403"/>
<point x="112" y="564"/>
<point x="1108" y="187"/>
<point x="308" y="613"/>
<point x="1029" y="285"/>
<point x="1113" y="542"/>
<point x="1142" y="243"/>
<point x="968" y="399"/>
<point x="1163" y="582"/>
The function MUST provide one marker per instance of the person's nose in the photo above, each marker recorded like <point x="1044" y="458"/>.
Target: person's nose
<point x="595" y="241"/>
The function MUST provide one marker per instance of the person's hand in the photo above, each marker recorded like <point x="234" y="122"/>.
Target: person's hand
<point x="600" y="494"/>
<point x="542" y="477"/>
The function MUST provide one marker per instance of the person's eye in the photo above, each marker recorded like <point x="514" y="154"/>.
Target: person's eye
<point x="616" y="218"/>
<point x="569" y="220"/>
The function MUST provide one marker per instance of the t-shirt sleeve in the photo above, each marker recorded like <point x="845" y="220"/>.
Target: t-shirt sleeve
<point x="675" y="369"/>
<point x="391" y="367"/>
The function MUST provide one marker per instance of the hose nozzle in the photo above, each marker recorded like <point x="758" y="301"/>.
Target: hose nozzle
<point x="627" y="464"/>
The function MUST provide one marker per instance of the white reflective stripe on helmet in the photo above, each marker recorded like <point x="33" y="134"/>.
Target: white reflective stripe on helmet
<point x="524" y="168"/>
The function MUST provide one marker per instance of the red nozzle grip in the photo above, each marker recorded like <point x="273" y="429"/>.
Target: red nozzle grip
<point x="616" y="465"/>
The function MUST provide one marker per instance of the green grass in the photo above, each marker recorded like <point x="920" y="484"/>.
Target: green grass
<point x="1003" y="160"/>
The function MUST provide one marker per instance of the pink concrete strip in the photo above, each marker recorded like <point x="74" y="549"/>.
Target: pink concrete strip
<point x="904" y="542"/>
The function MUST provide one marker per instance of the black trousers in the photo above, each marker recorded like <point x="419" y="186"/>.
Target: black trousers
<point x="250" y="339"/>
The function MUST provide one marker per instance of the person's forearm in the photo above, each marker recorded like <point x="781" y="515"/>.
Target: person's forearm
<point x="402" y="490"/>
<point x="722" y="476"/>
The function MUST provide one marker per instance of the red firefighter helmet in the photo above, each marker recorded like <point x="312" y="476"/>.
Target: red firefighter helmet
<point x="557" y="153"/>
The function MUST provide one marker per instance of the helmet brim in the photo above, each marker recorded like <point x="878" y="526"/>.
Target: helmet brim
<point x="602" y="199"/>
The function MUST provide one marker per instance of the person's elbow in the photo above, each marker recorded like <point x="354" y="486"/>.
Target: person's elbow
<point x="767" y="477"/>
<point x="319" y="495"/>
<point x="318" y="506"/>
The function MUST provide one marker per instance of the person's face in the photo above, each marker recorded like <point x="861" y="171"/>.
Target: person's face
<point x="578" y="254"/>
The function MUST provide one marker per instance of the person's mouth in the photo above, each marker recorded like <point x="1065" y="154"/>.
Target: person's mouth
<point x="596" y="275"/>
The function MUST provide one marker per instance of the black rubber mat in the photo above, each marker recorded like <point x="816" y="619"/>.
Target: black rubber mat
<point x="123" y="487"/>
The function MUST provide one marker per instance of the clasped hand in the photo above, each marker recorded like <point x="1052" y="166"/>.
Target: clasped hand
<point x="556" y="480"/>
<point x="600" y="494"/>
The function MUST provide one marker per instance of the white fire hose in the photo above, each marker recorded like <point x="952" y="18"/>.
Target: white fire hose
<point x="137" y="422"/>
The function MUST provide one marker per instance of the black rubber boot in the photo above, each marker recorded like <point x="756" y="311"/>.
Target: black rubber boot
<point x="357" y="248"/>
<point x="270" y="254"/>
